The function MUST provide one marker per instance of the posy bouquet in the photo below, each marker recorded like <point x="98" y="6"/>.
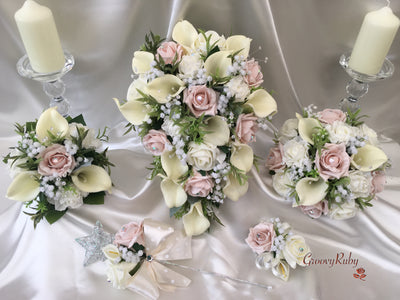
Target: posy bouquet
<point x="197" y="103"/>
<point x="56" y="166"/>
<point x="328" y="163"/>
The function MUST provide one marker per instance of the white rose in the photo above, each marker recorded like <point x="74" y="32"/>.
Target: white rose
<point x="13" y="165"/>
<point x="189" y="65"/>
<point x="90" y="141"/>
<point x="238" y="88"/>
<point x="280" y="181"/>
<point x="370" y="134"/>
<point x="360" y="184"/>
<point x="295" y="249"/>
<point x="170" y="128"/>
<point x="288" y="130"/>
<point x="266" y="260"/>
<point x="200" y="42"/>
<point x="295" y="153"/>
<point x="340" y="132"/>
<point x="346" y="211"/>
<point x="204" y="156"/>
<point x="118" y="274"/>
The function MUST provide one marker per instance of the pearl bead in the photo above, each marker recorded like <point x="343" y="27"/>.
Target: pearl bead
<point x="199" y="98"/>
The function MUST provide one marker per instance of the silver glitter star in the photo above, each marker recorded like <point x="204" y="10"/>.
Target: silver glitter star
<point x="93" y="244"/>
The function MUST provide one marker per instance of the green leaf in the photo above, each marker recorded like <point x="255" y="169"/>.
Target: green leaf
<point x="30" y="126"/>
<point x="53" y="215"/>
<point x="95" y="198"/>
<point x="78" y="119"/>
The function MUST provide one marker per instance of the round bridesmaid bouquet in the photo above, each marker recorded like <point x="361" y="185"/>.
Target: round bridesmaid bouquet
<point x="57" y="166"/>
<point x="327" y="163"/>
<point x="196" y="102"/>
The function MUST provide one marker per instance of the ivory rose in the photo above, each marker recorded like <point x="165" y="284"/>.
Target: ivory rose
<point x="202" y="156"/>
<point x="329" y="116"/>
<point x="295" y="250"/>
<point x="170" y="52"/>
<point x="199" y="185"/>
<point x="346" y="210"/>
<point x="274" y="159"/>
<point x="316" y="210"/>
<point x="254" y="77"/>
<point x="56" y="161"/>
<point x="261" y="237"/>
<point x="246" y="128"/>
<point x="156" y="142"/>
<point x="201" y="100"/>
<point x="118" y="274"/>
<point x="334" y="162"/>
<point x="130" y="234"/>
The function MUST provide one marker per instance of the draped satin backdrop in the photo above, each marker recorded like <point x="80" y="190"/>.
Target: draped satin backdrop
<point x="303" y="40"/>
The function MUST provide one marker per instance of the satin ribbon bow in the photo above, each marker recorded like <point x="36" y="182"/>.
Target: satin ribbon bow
<point x="162" y="244"/>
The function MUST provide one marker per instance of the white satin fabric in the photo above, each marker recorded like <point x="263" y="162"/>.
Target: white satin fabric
<point x="303" y="40"/>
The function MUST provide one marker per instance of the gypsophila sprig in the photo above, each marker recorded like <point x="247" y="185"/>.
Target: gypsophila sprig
<point x="57" y="166"/>
<point x="327" y="163"/>
<point x="277" y="248"/>
<point x="196" y="102"/>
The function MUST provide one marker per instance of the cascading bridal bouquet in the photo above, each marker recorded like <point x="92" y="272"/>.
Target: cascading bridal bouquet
<point x="197" y="103"/>
<point x="57" y="166"/>
<point x="327" y="162"/>
<point x="277" y="248"/>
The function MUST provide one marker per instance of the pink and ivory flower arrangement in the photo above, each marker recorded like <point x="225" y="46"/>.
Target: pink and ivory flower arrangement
<point x="57" y="166"/>
<point x="277" y="248"/>
<point x="137" y="258"/>
<point x="327" y="163"/>
<point x="197" y="103"/>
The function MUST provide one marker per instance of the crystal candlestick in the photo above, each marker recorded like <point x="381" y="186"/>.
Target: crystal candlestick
<point x="358" y="86"/>
<point x="53" y="86"/>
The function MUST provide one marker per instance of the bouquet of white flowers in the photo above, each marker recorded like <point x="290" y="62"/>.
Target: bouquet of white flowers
<point x="57" y="166"/>
<point x="327" y="162"/>
<point x="197" y="103"/>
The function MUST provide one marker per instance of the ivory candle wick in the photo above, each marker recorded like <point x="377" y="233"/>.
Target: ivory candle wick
<point x="40" y="37"/>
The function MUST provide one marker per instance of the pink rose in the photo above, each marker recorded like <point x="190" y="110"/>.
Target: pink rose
<point x="156" y="141"/>
<point x="254" y="77"/>
<point x="378" y="182"/>
<point x="331" y="115"/>
<point x="201" y="100"/>
<point x="199" y="185"/>
<point x="129" y="234"/>
<point x="274" y="159"/>
<point x="56" y="161"/>
<point x="316" y="210"/>
<point x="246" y="128"/>
<point x="334" y="161"/>
<point x="170" y="51"/>
<point x="261" y="237"/>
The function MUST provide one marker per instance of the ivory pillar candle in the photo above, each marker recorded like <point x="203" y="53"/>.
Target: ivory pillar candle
<point x="40" y="37"/>
<point x="373" y="41"/>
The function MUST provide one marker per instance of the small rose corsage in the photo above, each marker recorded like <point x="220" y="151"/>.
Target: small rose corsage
<point x="136" y="257"/>
<point x="277" y="247"/>
<point x="57" y="165"/>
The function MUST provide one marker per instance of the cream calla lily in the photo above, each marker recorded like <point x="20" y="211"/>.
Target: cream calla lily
<point x="91" y="179"/>
<point x="281" y="270"/>
<point x="217" y="64"/>
<point x="174" y="194"/>
<point x="111" y="252"/>
<point x="194" y="221"/>
<point x="218" y="131"/>
<point x="51" y="121"/>
<point x="172" y="165"/>
<point x="262" y="103"/>
<point x="311" y="190"/>
<point x="307" y="127"/>
<point x="233" y="189"/>
<point x="141" y="62"/>
<point x="24" y="187"/>
<point x="239" y="42"/>
<point x="242" y="157"/>
<point x="368" y="158"/>
<point x="135" y="112"/>
<point x="184" y="33"/>
<point x="138" y="84"/>
<point x="165" y="87"/>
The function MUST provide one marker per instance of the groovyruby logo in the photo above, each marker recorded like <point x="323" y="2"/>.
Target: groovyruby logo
<point x="360" y="274"/>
